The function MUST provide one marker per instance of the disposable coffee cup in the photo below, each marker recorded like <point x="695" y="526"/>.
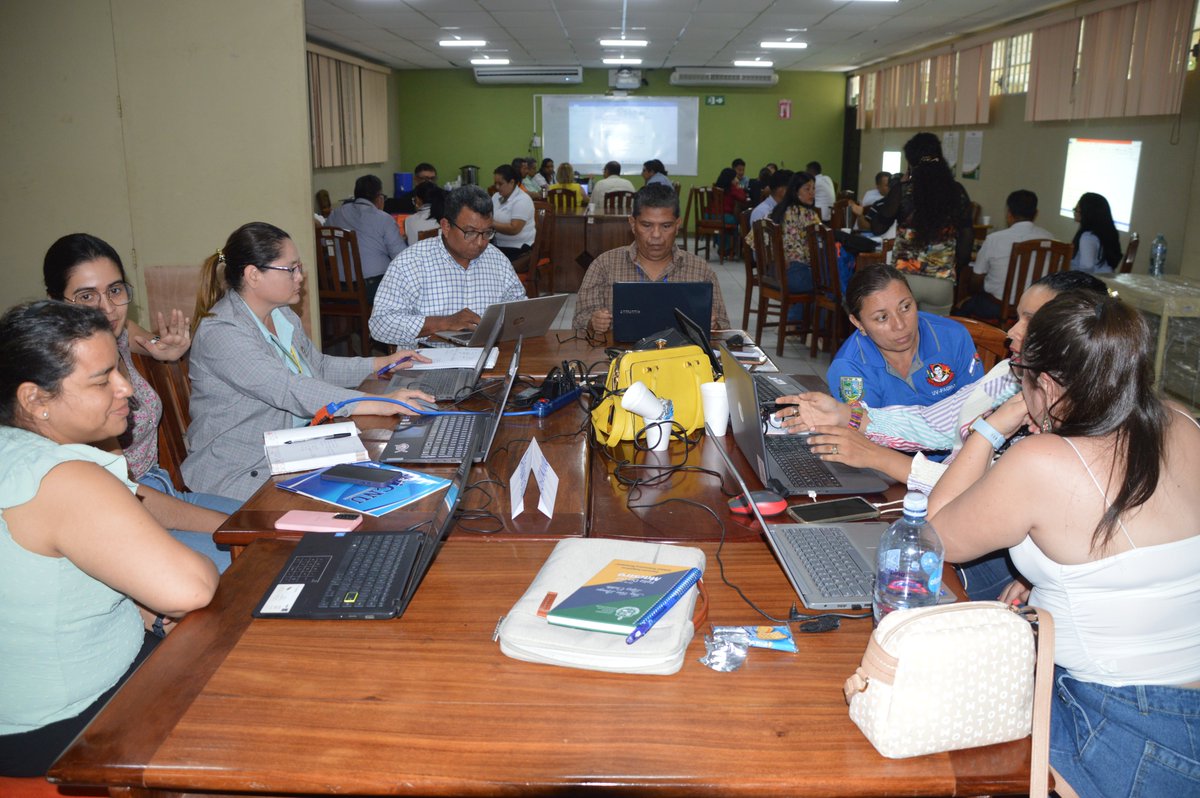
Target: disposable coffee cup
<point x="987" y="220"/>
<point x="658" y="435"/>
<point x="716" y="407"/>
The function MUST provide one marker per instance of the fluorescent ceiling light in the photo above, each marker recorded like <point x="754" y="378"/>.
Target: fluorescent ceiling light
<point x="622" y="60"/>
<point x="623" y="42"/>
<point x="489" y="61"/>
<point x="754" y="63"/>
<point x="462" y="43"/>
<point x="783" y="45"/>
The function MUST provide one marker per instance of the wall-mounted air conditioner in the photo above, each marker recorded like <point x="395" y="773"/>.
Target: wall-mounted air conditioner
<point x="528" y="74"/>
<point x="704" y="76"/>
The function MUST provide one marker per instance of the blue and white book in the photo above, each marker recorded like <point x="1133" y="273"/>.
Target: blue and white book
<point x="406" y="488"/>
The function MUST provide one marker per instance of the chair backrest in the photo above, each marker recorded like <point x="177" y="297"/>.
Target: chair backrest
<point x="170" y="382"/>
<point x="822" y="257"/>
<point x="545" y="229"/>
<point x="976" y="212"/>
<point x="840" y="216"/>
<point x="618" y="202"/>
<point x="675" y="185"/>
<point x="339" y="269"/>
<point x="990" y="341"/>
<point x="430" y="233"/>
<point x="714" y="209"/>
<point x="563" y="199"/>
<point x="768" y="254"/>
<point x="491" y="190"/>
<point x="1130" y="254"/>
<point x="1029" y="262"/>
<point x="743" y="231"/>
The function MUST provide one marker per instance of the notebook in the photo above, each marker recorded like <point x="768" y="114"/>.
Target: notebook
<point x="448" y="385"/>
<point x="784" y="462"/>
<point x="642" y="309"/>
<point x="527" y="318"/>
<point x="361" y="575"/>
<point x="448" y="439"/>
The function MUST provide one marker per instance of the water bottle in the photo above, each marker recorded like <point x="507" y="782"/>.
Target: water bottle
<point x="908" y="567"/>
<point x="1158" y="256"/>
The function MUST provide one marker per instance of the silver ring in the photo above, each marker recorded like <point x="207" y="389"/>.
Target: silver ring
<point x="155" y="339"/>
<point x="833" y="450"/>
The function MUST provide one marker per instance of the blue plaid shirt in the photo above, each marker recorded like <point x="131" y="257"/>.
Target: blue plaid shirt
<point x="424" y="280"/>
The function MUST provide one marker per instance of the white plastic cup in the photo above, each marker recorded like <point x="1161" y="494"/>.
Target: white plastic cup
<point x="987" y="220"/>
<point x="716" y="407"/>
<point x="658" y="434"/>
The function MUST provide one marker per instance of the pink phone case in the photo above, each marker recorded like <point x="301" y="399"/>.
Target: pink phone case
<point x="311" y="521"/>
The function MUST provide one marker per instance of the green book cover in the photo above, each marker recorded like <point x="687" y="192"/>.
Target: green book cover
<point x="616" y="599"/>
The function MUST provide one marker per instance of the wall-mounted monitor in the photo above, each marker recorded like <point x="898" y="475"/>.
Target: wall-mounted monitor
<point x="1103" y="166"/>
<point x="590" y="130"/>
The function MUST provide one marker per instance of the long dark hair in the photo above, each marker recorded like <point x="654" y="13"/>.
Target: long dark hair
<point x="1102" y="354"/>
<point x="725" y="179"/>
<point x="792" y="197"/>
<point x="936" y="197"/>
<point x="1095" y="217"/>
<point x="68" y="252"/>
<point x="37" y="344"/>
<point x="434" y="198"/>
<point x="252" y="244"/>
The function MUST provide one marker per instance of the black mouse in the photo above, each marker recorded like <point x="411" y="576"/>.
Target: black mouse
<point x="735" y="341"/>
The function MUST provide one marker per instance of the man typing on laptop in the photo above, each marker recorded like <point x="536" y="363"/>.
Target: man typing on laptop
<point x="652" y="257"/>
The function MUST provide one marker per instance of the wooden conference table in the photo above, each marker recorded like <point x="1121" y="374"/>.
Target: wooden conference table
<point x="428" y="705"/>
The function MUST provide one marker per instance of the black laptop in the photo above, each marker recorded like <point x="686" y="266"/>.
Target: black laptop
<point x="642" y="309"/>
<point x="450" y="384"/>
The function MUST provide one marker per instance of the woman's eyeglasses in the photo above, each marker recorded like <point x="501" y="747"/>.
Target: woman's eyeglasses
<point x="117" y="294"/>
<point x="294" y="270"/>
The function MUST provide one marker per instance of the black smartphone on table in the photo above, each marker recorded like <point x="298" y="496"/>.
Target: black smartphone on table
<point x="360" y="475"/>
<point x="851" y="508"/>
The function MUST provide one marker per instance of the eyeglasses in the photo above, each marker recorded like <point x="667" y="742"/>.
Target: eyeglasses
<point x="471" y="236"/>
<point x="295" y="270"/>
<point x="117" y="294"/>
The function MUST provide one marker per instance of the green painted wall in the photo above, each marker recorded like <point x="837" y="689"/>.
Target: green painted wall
<point x="448" y="119"/>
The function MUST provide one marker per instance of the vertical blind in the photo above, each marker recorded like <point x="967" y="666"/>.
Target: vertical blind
<point x="347" y="112"/>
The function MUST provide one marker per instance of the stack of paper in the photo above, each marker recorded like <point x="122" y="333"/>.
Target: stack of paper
<point x="305" y="448"/>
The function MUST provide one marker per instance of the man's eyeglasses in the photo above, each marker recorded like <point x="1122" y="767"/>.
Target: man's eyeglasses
<point x="473" y="235"/>
<point x="294" y="270"/>
<point x="117" y="294"/>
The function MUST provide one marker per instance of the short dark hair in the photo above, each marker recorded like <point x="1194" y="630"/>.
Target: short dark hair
<point x="656" y="195"/>
<point x="37" y="344"/>
<point x="655" y="165"/>
<point x="507" y="172"/>
<point x="780" y="179"/>
<point x="1022" y="204"/>
<point x="470" y="197"/>
<point x="68" y="252"/>
<point x="368" y="187"/>
<point x="868" y="281"/>
<point x="737" y="162"/>
<point x="612" y="168"/>
<point x="881" y="175"/>
<point x="424" y="167"/>
<point x="814" y="167"/>
<point x="518" y="164"/>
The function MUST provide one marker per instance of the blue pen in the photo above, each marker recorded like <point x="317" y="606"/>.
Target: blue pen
<point x="664" y="604"/>
<point x="383" y="371"/>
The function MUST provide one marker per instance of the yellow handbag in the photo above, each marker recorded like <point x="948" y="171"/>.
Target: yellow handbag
<point x="676" y="374"/>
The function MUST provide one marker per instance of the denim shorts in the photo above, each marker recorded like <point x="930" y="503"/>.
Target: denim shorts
<point x="1135" y="742"/>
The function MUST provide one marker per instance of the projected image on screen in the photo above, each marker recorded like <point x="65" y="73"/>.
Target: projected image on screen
<point x="1106" y="167"/>
<point x="591" y="130"/>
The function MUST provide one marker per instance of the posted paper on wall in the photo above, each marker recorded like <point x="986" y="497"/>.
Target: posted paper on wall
<point x="972" y="154"/>
<point x="533" y="462"/>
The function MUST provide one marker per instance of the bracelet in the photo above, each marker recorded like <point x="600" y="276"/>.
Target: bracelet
<point x="856" y="417"/>
<point x="993" y="435"/>
<point x="157" y="629"/>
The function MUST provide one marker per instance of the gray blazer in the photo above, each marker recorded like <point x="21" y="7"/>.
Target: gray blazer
<point x="241" y="389"/>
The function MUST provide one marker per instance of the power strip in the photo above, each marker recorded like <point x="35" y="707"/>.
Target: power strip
<point x="544" y="407"/>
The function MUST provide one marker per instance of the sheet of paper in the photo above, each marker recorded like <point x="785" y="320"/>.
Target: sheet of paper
<point x="533" y="462"/>
<point x="950" y="148"/>
<point x="972" y="154"/>
<point x="456" y="357"/>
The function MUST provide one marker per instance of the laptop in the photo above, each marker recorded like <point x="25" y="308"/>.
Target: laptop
<point x="528" y="318"/>
<point x="641" y="309"/>
<point x="784" y="463"/>
<point x="361" y="575"/>
<point x="449" y="385"/>
<point x="449" y="439"/>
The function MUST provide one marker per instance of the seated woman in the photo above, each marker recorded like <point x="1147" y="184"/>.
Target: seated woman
<point x="79" y="553"/>
<point x="512" y="214"/>
<point x="82" y="269"/>
<point x="427" y="199"/>
<point x="566" y="179"/>
<point x="252" y="367"/>
<point x="934" y="232"/>
<point x="734" y="200"/>
<point x="653" y="171"/>
<point x="898" y="356"/>
<point x="795" y="214"/>
<point x="1096" y="246"/>
<point x="1106" y="527"/>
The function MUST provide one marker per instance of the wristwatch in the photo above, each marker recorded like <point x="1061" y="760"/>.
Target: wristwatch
<point x="988" y="431"/>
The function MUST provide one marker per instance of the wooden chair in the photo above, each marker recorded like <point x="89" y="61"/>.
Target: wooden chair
<point x="618" y="202"/>
<point x="1028" y="263"/>
<point x="530" y="266"/>
<point x="687" y="219"/>
<point x="341" y="289"/>
<point x="675" y="185"/>
<point x="841" y="216"/>
<point x="170" y="382"/>
<point x="772" y="283"/>
<point x="430" y="233"/>
<point x="562" y="200"/>
<point x="827" y="290"/>
<point x="715" y="219"/>
<point x="990" y="341"/>
<point x="748" y="260"/>
<point x="1130" y="253"/>
<point x="546" y="232"/>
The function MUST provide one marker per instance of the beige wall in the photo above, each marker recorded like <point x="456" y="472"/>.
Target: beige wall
<point x="1018" y="154"/>
<point x="159" y="127"/>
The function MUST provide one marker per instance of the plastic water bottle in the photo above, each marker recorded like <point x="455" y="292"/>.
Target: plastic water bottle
<point x="1158" y="256"/>
<point x="908" y="566"/>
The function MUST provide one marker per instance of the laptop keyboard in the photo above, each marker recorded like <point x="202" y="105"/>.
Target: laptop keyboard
<point x="449" y="437"/>
<point x="828" y="556"/>
<point x="366" y="576"/>
<point x="768" y="389"/>
<point x="799" y="464"/>
<point x="440" y="382"/>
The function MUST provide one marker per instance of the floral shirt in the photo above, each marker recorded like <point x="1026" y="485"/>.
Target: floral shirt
<point x="795" y="238"/>
<point x="140" y="441"/>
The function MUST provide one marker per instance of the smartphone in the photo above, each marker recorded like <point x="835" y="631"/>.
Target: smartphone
<point x="361" y="475"/>
<point x="310" y="521"/>
<point x="853" y="508"/>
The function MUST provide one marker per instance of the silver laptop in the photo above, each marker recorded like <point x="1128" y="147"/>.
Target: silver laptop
<point x="450" y="385"/>
<point x="784" y="463"/>
<point x="527" y="318"/>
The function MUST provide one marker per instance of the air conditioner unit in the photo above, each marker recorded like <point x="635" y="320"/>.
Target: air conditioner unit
<point x="703" y="76"/>
<point x="625" y="78"/>
<point x="528" y="74"/>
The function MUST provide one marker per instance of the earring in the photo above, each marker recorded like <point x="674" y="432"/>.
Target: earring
<point x="1046" y="423"/>
<point x="45" y="414"/>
